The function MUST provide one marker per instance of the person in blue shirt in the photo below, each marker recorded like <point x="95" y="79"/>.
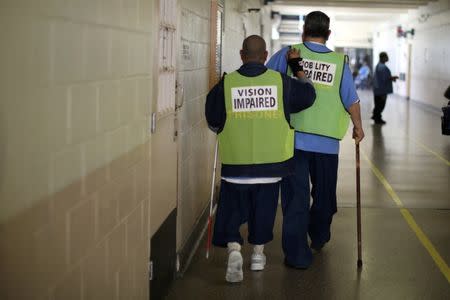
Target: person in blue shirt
<point x="362" y="79"/>
<point x="382" y="86"/>
<point x="316" y="157"/>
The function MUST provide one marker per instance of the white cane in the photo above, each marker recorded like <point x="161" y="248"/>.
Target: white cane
<point x="208" y="241"/>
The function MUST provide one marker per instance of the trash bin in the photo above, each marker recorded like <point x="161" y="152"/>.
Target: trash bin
<point x="446" y="117"/>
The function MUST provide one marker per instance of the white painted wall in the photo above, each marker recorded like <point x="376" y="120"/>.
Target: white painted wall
<point x="266" y="27"/>
<point x="430" y="64"/>
<point x="196" y="140"/>
<point x="236" y="16"/>
<point x="351" y="34"/>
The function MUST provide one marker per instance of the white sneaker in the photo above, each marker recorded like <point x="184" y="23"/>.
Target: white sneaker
<point x="234" y="267"/>
<point x="258" y="262"/>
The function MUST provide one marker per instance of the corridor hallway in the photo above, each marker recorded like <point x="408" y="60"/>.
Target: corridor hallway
<point x="405" y="179"/>
<point x="106" y="158"/>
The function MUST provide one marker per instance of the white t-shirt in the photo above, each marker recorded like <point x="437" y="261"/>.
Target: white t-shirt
<point x="251" y="180"/>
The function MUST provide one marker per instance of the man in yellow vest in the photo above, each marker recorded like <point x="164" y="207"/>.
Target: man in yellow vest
<point x="250" y="110"/>
<point x="318" y="131"/>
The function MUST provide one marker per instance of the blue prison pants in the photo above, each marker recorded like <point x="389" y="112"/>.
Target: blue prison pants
<point x="299" y="219"/>
<point x="255" y="204"/>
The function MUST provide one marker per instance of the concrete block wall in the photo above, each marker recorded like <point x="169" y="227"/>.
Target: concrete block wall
<point x="75" y="90"/>
<point x="266" y="25"/>
<point x="196" y="141"/>
<point x="233" y="36"/>
<point x="238" y="24"/>
<point x="75" y="158"/>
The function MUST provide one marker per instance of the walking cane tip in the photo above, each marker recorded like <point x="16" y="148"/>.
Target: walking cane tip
<point x="360" y="263"/>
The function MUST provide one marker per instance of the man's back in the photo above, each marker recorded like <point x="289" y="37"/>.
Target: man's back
<point x="216" y="116"/>
<point x="382" y="84"/>
<point x="312" y="142"/>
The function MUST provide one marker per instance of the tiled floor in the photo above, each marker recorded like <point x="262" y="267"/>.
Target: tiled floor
<point x="411" y="159"/>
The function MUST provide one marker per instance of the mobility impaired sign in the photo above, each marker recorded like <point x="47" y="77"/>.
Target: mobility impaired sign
<point x="319" y="71"/>
<point x="254" y="98"/>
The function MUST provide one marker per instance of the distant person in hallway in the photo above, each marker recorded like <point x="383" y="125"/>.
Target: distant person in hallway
<point x="249" y="109"/>
<point x="382" y="86"/>
<point x="318" y="131"/>
<point x="363" y="77"/>
<point x="445" y="119"/>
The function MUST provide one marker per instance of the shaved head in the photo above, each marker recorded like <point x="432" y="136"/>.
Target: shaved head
<point x="254" y="49"/>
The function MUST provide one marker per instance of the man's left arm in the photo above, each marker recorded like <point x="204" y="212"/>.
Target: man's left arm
<point x="300" y="94"/>
<point x="278" y="61"/>
<point x="350" y="100"/>
<point x="301" y="90"/>
<point x="355" y="115"/>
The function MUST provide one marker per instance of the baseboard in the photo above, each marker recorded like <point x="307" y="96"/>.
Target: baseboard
<point x="427" y="107"/>
<point x="167" y="264"/>
<point x="163" y="257"/>
<point x="192" y="243"/>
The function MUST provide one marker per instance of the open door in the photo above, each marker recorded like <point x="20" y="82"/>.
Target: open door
<point x="164" y="154"/>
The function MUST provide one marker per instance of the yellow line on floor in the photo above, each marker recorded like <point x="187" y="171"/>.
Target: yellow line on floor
<point x="440" y="262"/>
<point x="426" y="243"/>
<point x="432" y="152"/>
<point x="383" y="180"/>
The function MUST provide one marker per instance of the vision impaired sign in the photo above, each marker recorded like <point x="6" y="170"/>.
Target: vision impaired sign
<point x="254" y="98"/>
<point x="319" y="71"/>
